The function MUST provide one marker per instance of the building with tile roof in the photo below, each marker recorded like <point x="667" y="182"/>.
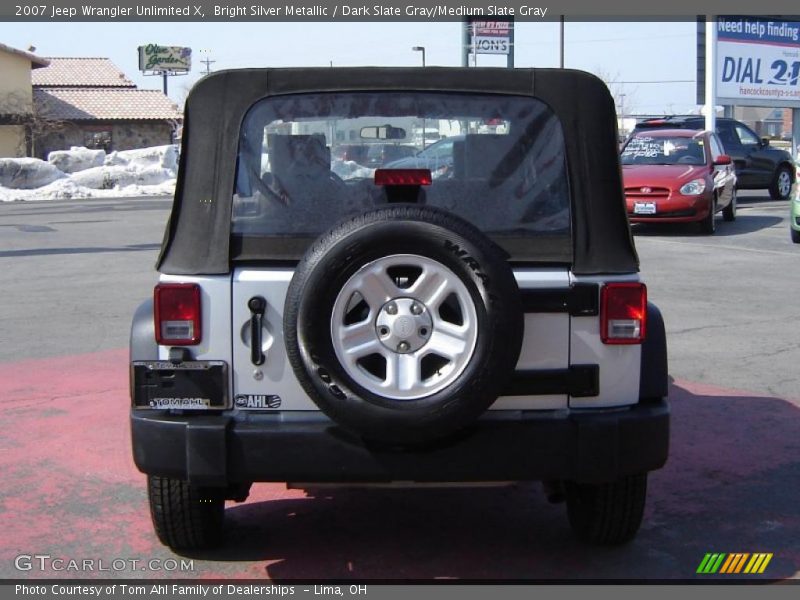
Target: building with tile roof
<point x="95" y="105"/>
<point x="16" y="101"/>
<point x="77" y="72"/>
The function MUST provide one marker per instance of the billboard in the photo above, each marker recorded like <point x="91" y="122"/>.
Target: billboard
<point x="491" y="37"/>
<point x="758" y="62"/>
<point x="170" y="59"/>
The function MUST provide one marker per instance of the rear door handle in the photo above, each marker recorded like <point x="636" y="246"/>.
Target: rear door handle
<point x="257" y="306"/>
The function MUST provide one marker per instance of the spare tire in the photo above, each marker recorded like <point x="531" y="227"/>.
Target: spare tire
<point x="403" y="324"/>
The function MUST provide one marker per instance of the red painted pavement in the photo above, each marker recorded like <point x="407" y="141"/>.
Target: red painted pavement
<point x="70" y="490"/>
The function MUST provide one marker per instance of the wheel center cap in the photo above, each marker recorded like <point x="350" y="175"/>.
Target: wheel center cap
<point x="404" y="325"/>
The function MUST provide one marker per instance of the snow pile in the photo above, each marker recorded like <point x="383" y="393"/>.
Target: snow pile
<point x="146" y="171"/>
<point x="27" y="173"/>
<point x="115" y="177"/>
<point x="66" y="189"/>
<point x="76" y="159"/>
<point x="164" y="157"/>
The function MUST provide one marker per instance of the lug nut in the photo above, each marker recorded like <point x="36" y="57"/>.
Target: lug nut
<point x="403" y="347"/>
<point x="416" y="309"/>
<point x="391" y="308"/>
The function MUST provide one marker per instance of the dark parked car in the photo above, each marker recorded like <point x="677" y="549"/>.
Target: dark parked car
<point x="373" y="155"/>
<point x="758" y="165"/>
<point x="438" y="157"/>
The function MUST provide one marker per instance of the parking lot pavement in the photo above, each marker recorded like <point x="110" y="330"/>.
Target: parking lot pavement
<point x="71" y="492"/>
<point x="73" y="273"/>
<point x="729" y="299"/>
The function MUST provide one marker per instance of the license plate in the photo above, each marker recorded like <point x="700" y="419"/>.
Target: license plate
<point x="644" y="208"/>
<point x="189" y="385"/>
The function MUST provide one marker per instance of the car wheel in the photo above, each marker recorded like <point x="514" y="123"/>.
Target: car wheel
<point x="709" y="223"/>
<point x="782" y="184"/>
<point x="186" y="517"/>
<point x="795" y="236"/>
<point x="403" y="324"/>
<point x="729" y="212"/>
<point x="607" y="513"/>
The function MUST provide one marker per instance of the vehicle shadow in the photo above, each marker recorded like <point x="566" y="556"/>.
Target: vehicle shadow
<point x="731" y="485"/>
<point x="743" y="224"/>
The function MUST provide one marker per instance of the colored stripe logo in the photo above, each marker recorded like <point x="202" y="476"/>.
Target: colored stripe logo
<point x="735" y="563"/>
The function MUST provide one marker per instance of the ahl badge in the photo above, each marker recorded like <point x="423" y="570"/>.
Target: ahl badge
<point x="257" y="401"/>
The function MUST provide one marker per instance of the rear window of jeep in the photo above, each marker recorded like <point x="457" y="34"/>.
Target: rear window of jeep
<point x="499" y="161"/>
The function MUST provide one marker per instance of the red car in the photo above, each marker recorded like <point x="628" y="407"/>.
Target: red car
<point x="678" y="176"/>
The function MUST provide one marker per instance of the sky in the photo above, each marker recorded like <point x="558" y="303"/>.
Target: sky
<point x="631" y="55"/>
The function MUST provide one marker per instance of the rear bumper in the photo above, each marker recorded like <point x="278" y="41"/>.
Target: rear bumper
<point x="585" y="446"/>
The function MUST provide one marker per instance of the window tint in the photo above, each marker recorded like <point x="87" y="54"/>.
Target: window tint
<point x="746" y="136"/>
<point x="715" y="146"/>
<point x="501" y="165"/>
<point x="727" y="136"/>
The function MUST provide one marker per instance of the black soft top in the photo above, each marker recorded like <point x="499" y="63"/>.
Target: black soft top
<point x="197" y="239"/>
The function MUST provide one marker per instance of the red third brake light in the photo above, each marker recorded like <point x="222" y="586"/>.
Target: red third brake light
<point x="623" y="313"/>
<point x="403" y="177"/>
<point x="177" y="314"/>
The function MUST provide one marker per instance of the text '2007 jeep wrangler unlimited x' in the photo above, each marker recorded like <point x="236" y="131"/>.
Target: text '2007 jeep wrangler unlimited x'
<point x="476" y="318"/>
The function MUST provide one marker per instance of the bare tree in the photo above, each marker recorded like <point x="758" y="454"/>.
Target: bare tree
<point x="624" y="98"/>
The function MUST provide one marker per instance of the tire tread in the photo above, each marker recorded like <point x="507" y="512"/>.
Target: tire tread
<point x="607" y="513"/>
<point x="184" y="516"/>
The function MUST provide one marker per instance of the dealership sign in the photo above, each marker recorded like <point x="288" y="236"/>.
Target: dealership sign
<point x="170" y="59"/>
<point x="491" y="37"/>
<point x="758" y="62"/>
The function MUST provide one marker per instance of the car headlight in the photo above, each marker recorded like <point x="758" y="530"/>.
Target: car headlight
<point x="694" y="188"/>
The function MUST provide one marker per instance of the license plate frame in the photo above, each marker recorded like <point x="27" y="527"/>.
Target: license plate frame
<point x="644" y="208"/>
<point x="188" y="385"/>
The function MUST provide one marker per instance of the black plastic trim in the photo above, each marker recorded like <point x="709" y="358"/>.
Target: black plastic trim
<point x="579" y="300"/>
<point x="143" y="337"/>
<point x="578" y="381"/>
<point x="591" y="446"/>
<point x="654" y="378"/>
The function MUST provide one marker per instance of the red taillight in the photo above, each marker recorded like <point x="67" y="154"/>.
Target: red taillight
<point x="623" y="313"/>
<point x="177" y="314"/>
<point x="403" y="177"/>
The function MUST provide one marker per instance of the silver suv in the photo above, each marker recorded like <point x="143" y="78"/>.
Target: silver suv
<point x="318" y="321"/>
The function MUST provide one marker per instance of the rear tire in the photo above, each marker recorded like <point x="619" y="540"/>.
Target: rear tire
<point x="186" y="517"/>
<point x="795" y="236"/>
<point x="396" y="399"/>
<point x="729" y="212"/>
<point x="607" y="513"/>
<point x="781" y="185"/>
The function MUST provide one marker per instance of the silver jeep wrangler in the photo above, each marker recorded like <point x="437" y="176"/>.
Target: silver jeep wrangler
<point x="470" y="313"/>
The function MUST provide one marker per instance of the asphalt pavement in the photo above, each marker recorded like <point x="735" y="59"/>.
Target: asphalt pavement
<point x="73" y="272"/>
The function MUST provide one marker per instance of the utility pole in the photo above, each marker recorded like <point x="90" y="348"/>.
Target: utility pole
<point x="208" y="62"/>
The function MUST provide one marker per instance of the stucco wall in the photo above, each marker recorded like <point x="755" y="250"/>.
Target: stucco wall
<point x="15" y="80"/>
<point x="12" y="141"/>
